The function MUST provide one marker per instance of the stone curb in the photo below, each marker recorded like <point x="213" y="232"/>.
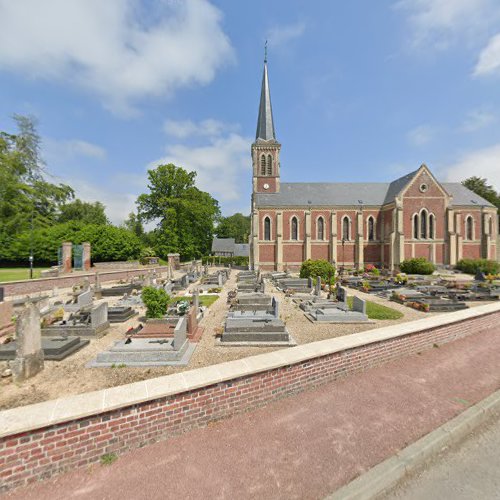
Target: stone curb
<point x="389" y="472"/>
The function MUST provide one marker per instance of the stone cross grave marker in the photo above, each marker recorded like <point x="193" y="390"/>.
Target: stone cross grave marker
<point x="29" y="352"/>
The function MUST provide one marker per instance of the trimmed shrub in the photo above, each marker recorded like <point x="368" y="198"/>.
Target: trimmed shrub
<point x="156" y="301"/>
<point x="234" y="261"/>
<point x="471" y="266"/>
<point x="313" y="268"/>
<point x="418" y="265"/>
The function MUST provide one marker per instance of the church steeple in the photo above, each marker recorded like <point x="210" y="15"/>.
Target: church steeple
<point x="265" y="149"/>
<point x="265" y="122"/>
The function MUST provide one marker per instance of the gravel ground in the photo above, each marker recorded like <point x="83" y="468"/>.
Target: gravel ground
<point x="70" y="376"/>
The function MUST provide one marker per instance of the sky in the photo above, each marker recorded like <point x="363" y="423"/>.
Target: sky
<point x="361" y="90"/>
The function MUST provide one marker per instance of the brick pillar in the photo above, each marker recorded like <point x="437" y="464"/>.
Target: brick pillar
<point x="458" y="230"/>
<point x="67" y="248"/>
<point x="86" y="256"/>
<point x="255" y="240"/>
<point x="360" y="257"/>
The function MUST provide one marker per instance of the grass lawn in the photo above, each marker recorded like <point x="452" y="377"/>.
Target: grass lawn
<point x="378" y="311"/>
<point x="18" y="273"/>
<point x="205" y="300"/>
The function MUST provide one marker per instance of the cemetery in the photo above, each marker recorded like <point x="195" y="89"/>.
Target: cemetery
<point x="213" y="314"/>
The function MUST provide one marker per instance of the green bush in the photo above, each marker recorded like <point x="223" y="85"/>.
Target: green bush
<point x="156" y="301"/>
<point x="419" y="265"/>
<point x="471" y="266"/>
<point x="313" y="268"/>
<point x="108" y="243"/>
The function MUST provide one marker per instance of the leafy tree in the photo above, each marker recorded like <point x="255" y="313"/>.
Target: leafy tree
<point x="134" y="224"/>
<point x="156" y="301"/>
<point x="26" y="197"/>
<point x="185" y="215"/>
<point x="235" y="226"/>
<point x="481" y="187"/>
<point x="83" y="211"/>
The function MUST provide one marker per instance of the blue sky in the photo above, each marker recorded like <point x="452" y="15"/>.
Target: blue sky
<point x="361" y="90"/>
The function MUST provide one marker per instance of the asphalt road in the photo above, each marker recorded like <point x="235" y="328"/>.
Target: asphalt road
<point x="467" y="471"/>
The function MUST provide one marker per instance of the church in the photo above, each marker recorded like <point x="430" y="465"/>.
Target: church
<point x="360" y="223"/>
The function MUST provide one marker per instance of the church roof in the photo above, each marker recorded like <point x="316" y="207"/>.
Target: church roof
<point x="303" y="194"/>
<point x="265" y="122"/>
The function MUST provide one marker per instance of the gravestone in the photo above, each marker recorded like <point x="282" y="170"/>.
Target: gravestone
<point x="85" y="299"/>
<point x="342" y="295"/>
<point x="1" y="293"/>
<point x="29" y="353"/>
<point x="317" y="288"/>
<point x="275" y="305"/>
<point x="359" y="305"/>
<point x="97" y="286"/>
<point x="219" y="279"/>
<point x="180" y="334"/>
<point x="196" y="300"/>
<point x="99" y="316"/>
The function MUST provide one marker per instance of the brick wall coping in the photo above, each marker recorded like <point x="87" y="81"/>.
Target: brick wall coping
<point x="36" y="416"/>
<point x="81" y="274"/>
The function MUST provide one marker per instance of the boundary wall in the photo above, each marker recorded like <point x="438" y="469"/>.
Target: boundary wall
<point x="44" y="284"/>
<point x="44" y="439"/>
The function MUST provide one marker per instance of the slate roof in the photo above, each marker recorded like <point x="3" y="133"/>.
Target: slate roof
<point x="265" y="122"/>
<point x="302" y="194"/>
<point x="223" y="245"/>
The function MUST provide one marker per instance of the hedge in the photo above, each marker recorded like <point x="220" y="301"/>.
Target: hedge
<point x="471" y="266"/>
<point x="418" y="265"/>
<point x="234" y="261"/>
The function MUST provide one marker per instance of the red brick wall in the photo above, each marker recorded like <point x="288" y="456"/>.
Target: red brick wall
<point x="266" y="253"/>
<point x="30" y="456"/>
<point x="319" y="252"/>
<point x="293" y="252"/>
<point x="40" y="285"/>
<point x="372" y="253"/>
<point x="266" y="180"/>
<point x="471" y="251"/>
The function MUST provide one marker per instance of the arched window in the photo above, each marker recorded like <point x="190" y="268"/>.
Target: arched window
<point x="415" y="226"/>
<point x="469" y="228"/>
<point x="371" y="228"/>
<point x="263" y="165"/>
<point x="431" y="226"/>
<point x="346" y="226"/>
<point x="267" y="229"/>
<point x="294" y="229"/>
<point x="423" y="224"/>
<point x="269" y="165"/>
<point x="321" y="229"/>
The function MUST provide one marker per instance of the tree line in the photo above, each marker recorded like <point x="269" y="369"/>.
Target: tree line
<point x="37" y="215"/>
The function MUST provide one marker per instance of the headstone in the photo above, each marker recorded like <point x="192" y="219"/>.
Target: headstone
<point x="479" y="276"/>
<point x="317" y="288"/>
<point x="196" y="300"/>
<point x="85" y="298"/>
<point x="180" y="333"/>
<point x="359" y="305"/>
<point x="275" y="305"/>
<point x="220" y="282"/>
<point x="1" y="293"/>
<point x="309" y="282"/>
<point x="29" y="353"/>
<point x="99" y="315"/>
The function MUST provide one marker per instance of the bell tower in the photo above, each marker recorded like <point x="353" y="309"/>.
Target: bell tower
<point x="265" y="149"/>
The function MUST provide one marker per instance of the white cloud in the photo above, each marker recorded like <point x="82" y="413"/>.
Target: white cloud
<point x="421" y="135"/>
<point x="280" y="35"/>
<point x="482" y="163"/>
<point x="187" y="128"/>
<point x="63" y="151"/>
<point x="489" y="58"/>
<point x="477" y="120"/>
<point x="439" y="23"/>
<point x="220" y="163"/>
<point x="120" y="50"/>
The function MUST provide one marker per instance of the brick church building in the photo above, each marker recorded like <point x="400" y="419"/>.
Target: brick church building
<point x="359" y="223"/>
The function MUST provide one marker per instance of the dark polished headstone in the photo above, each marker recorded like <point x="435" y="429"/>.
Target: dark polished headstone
<point x="1" y="293"/>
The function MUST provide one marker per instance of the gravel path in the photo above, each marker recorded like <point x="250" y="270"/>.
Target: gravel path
<point x="70" y="376"/>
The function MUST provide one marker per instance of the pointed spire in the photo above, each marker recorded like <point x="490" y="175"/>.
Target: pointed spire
<point x="265" y="123"/>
